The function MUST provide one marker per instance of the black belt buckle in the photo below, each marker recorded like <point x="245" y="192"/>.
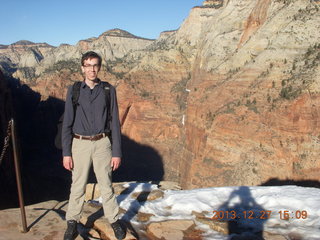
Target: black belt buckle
<point x="97" y="137"/>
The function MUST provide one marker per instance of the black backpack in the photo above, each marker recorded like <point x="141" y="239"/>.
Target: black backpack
<point x="75" y="93"/>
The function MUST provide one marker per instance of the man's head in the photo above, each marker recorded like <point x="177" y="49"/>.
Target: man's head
<point x="89" y="55"/>
<point x="90" y="65"/>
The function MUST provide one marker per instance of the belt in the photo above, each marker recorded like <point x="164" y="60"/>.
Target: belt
<point x="91" y="138"/>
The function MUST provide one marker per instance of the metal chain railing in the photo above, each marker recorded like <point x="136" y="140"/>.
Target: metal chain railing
<point x="11" y="133"/>
<point x="6" y="141"/>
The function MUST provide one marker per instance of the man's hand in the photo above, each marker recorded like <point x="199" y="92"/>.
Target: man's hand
<point x="68" y="163"/>
<point x="115" y="163"/>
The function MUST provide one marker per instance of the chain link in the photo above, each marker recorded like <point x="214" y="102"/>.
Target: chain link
<point x="6" y="141"/>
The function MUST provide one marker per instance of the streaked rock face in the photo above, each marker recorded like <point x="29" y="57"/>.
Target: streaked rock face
<point x="230" y="98"/>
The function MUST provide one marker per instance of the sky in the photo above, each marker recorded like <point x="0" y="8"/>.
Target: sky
<point x="68" y="21"/>
<point x="286" y="210"/>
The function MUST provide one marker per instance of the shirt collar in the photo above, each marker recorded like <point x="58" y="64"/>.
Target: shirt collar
<point x="83" y="84"/>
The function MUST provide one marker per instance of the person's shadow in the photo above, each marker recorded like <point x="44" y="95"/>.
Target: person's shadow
<point x="244" y="215"/>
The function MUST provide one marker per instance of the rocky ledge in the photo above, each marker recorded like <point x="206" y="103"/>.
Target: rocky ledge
<point x="46" y="220"/>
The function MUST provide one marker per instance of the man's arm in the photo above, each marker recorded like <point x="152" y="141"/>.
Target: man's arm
<point x="66" y="134"/>
<point x="115" y="131"/>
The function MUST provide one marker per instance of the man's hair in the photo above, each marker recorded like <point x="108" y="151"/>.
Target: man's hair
<point x="89" y="55"/>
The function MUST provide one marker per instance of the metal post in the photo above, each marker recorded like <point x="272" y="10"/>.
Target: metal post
<point x="18" y="177"/>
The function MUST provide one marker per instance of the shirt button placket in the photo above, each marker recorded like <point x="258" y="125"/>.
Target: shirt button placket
<point x="91" y="115"/>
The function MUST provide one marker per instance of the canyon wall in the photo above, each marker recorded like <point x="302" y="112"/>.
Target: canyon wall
<point x="230" y="98"/>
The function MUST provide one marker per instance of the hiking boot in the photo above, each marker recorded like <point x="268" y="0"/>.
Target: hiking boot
<point x="119" y="231"/>
<point x="71" y="232"/>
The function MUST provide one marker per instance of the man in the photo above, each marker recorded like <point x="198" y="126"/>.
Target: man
<point x="85" y="141"/>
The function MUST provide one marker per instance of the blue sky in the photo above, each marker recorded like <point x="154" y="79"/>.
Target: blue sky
<point x="68" y="21"/>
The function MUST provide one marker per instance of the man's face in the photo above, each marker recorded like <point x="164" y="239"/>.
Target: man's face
<point x="91" y="68"/>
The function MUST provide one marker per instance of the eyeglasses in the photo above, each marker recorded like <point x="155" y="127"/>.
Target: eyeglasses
<point x="95" y="66"/>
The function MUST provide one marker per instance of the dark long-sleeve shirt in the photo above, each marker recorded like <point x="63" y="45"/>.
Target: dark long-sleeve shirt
<point x="90" y="117"/>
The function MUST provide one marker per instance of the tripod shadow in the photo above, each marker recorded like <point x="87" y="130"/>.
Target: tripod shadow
<point x="244" y="215"/>
<point x="61" y="213"/>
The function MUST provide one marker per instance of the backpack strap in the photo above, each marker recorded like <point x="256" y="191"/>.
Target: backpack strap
<point x="106" y="87"/>
<point x="75" y="97"/>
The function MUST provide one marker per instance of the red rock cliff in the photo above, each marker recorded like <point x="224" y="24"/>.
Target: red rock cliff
<point x="222" y="104"/>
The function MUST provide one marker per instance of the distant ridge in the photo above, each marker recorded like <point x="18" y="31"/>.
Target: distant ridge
<point x="116" y="32"/>
<point x="26" y="43"/>
<point x="23" y="42"/>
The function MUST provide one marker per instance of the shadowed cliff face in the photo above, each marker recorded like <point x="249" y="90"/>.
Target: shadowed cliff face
<point x="222" y="104"/>
<point x="7" y="177"/>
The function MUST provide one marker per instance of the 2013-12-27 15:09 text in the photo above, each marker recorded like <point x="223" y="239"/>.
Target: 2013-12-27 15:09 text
<point x="259" y="214"/>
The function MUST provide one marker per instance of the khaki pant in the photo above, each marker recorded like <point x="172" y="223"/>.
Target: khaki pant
<point x="84" y="153"/>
